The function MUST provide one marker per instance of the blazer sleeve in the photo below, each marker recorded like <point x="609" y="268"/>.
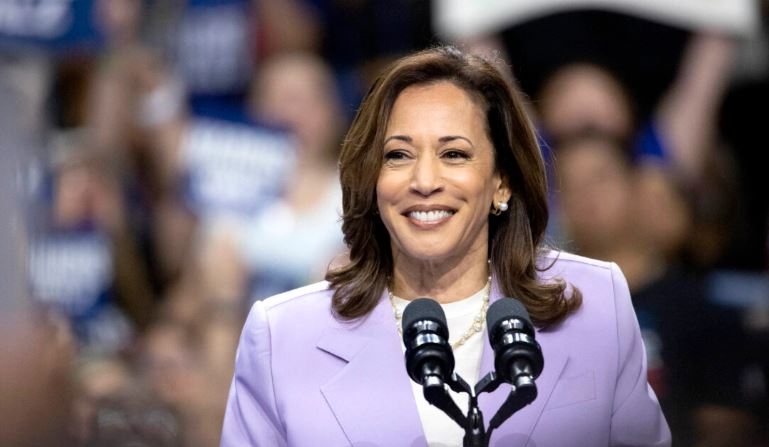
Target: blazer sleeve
<point x="637" y="418"/>
<point x="251" y="417"/>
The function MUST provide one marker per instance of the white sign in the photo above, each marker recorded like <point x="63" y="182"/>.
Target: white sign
<point x="456" y="19"/>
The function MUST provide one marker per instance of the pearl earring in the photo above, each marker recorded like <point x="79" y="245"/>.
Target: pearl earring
<point x="499" y="208"/>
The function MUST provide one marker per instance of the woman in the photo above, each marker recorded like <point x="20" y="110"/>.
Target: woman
<point x="290" y="243"/>
<point x="444" y="196"/>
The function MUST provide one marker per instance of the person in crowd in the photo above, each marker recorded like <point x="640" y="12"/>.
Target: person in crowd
<point x="444" y="196"/>
<point x="174" y="367"/>
<point x="84" y="261"/>
<point x="293" y="239"/>
<point x="185" y="356"/>
<point x="641" y="218"/>
<point x="679" y="132"/>
<point x="136" y="110"/>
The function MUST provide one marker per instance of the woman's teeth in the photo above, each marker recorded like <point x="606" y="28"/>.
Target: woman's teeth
<point x="429" y="216"/>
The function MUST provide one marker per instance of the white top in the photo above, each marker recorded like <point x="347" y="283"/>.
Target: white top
<point x="440" y="430"/>
<point x="284" y="248"/>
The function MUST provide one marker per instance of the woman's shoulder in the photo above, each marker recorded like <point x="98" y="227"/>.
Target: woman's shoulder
<point x="601" y="283"/>
<point x="309" y="303"/>
<point x="558" y="263"/>
<point x="301" y="296"/>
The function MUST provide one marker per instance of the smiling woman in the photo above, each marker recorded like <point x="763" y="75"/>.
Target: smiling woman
<point x="435" y="189"/>
<point x="444" y="94"/>
<point x="443" y="197"/>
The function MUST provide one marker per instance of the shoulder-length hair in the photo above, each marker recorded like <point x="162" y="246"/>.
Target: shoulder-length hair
<point x="515" y="237"/>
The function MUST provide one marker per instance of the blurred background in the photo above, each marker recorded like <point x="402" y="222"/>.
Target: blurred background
<point x="165" y="163"/>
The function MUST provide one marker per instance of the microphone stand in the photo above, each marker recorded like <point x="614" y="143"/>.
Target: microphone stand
<point x="436" y="394"/>
<point x="517" y="354"/>
<point x="523" y="392"/>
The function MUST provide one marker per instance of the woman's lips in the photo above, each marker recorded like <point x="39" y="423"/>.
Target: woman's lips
<point x="430" y="216"/>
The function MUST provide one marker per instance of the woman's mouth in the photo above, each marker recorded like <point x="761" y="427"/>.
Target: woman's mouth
<point x="430" y="216"/>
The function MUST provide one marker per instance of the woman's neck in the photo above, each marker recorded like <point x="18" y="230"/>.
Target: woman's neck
<point x="444" y="282"/>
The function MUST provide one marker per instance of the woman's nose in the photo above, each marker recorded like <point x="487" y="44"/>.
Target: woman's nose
<point x="426" y="176"/>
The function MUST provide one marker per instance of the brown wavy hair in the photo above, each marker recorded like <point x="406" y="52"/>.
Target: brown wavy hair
<point x="515" y="237"/>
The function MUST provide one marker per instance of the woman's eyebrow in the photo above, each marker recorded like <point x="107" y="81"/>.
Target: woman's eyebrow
<point x="450" y="138"/>
<point x="405" y="138"/>
<point x="446" y="139"/>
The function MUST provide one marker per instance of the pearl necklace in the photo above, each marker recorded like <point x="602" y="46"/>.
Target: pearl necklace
<point x="474" y="328"/>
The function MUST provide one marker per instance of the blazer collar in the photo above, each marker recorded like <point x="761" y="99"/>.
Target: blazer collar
<point x="373" y="389"/>
<point x="372" y="392"/>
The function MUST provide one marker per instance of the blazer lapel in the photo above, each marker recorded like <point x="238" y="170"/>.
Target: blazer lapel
<point x="517" y="429"/>
<point x="371" y="395"/>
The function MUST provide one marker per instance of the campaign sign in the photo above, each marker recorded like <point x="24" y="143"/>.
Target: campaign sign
<point x="48" y="24"/>
<point x="213" y="47"/>
<point x="234" y="168"/>
<point x="71" y="271"/>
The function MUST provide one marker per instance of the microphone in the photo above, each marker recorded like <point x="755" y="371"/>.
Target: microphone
<point x="425" y="334"/>
<point x="429" y="357"/>
<point x="517" y="355"/>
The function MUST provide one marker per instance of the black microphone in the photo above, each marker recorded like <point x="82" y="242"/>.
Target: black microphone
<point x="517" y="358"/>
<point x="429" y="358"/>
<point x="517" y="355"/>
<point x="425" y="334"/>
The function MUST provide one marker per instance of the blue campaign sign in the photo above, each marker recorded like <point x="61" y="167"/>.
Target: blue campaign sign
<point x="213" y="46"/>
<point x="232" y="167"/>
<point x="55" y="25"/>
<point x="71" y="271"/>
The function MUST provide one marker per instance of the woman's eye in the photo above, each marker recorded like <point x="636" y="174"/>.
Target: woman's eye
<point x="395" y="155"/>
<point x="455" y="154"/>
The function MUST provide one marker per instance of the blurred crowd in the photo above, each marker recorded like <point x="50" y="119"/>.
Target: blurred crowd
<point x="165" y="163"/>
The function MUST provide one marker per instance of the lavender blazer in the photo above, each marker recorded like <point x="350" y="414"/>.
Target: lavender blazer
<point x="303" y="378"/>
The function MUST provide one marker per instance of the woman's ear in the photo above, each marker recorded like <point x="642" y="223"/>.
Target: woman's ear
<point x="501" y="196"/>
<point x="503" y="192"/>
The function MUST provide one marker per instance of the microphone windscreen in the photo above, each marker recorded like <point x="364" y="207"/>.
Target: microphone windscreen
<point x="423" y="309"/>
<point x="504" y="309"/>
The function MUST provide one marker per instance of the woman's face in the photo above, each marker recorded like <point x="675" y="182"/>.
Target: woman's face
<point x="580" y="97"/>
<point x="294" y="91"/>
<point x="437" y="181"/>
<point x="596" y="195"/>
